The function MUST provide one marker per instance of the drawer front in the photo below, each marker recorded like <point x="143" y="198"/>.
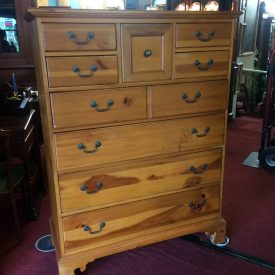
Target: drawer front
<point x="82" y="70"/>
<point x="79" y="37"/>
<point x="99" y="106"/>
<point x="201" y="64"/>
<point x="203" y="35"/>
<point x="188" y="98"/>
<point x="147" y="52"/>
<point x="119" y="223"/>
<point x="81" y="149"/>
<point x="82" y="190"/>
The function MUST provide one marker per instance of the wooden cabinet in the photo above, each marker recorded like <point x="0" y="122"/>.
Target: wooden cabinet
<point x="134" y="112"/>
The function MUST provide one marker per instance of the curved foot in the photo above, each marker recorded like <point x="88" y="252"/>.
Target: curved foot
<point x="83" y="268"/>
<point x="69" y="268"/>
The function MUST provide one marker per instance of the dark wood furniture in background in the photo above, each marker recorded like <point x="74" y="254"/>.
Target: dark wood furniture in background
<point x="11" y="179"/>
<point x="26" y="146"/>
<point x="22" y="62"/>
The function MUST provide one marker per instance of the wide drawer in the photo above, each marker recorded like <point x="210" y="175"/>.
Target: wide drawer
<point x="71" y="109"/>
<point x="119" y="223"/>
<point x="79" y="37"/>
<point x="94" y="189"/>
<point x="82" y="70"/>
<point x="203" y="34"/>
<point x="188" y="98"/>
<point x="201" y="64"/>
<point x="82" y="149"/>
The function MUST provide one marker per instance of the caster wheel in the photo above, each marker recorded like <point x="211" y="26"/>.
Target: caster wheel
<point x="267" y="158"/>
<point x="44" y="244"/>
<point x="225" y="243"/>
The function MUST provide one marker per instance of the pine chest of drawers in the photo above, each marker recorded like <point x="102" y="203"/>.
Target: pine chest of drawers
<point x="134" y="110"/>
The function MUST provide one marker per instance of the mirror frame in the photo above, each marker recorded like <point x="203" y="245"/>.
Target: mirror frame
<point x="23" y="58"/>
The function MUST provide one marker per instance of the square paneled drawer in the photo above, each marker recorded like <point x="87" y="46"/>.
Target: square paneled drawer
<point x="98" y="189"/>
<point x="81" y="70"/>
<point x="147" y="50"/>
<point x="79" y="37"/>
<point x="201" y="64"/>
<point x="188" y="98"/>
<point x="119" y="223"/>
<point x="82" y="108"/>
<point x="203" y="34"/>
<point x="82" y="149"/>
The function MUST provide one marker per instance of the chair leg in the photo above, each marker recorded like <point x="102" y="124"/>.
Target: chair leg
<point x="16" y="218"/>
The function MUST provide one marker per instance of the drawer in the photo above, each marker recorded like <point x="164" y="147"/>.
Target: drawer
<point x="203" y="34"/>
<point x="71" y="109"/>
<point x="119" y="223"/>
<point x="79" y="37"/>
<point x="82" y="190"/>
<point x="147" y="50"/>
<point x="202" y="64"/>
<point x="82" y="149"/>
<point x="82" y="70"/>
<point x="188" y="98"/>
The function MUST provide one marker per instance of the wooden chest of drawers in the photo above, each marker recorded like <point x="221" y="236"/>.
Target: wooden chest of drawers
<point x="134" y="110"/>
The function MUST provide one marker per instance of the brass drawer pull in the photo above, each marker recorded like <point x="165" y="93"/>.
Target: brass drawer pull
<point x="199" y="35"/>
<point x="73" y="37"/>
<point x="206" y="130"/>
<point x="198" y="64"/>
<point x="77" y="70"/>
<point x="89" y="229"/>
<point x="186" y="98"/>
<point x="198" y="171"/>
<point x="147" y="53"/>
<point x="82" y="146"/>
<point x="98" y="186"/>
<point x="109" y="103"/>
<point x="199" y="205"/>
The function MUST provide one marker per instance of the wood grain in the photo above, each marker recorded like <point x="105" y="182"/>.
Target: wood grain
<point x="60" y="70"/>
<point x="123" y="221"/>
<point x="137" y="141"/>
<point x="56" y="37"/>
<point x="139" y="38"/>
<point x="128" y="104"/>
<point x="172" y="175"/>
<point x="167" y="100"/>
<point x="186" y="35"/>
<point x="185" y="68"/>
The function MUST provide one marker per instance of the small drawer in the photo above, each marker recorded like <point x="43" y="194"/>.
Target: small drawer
<point x="82" y="190"/>
<point x="83" y="149"/>
<point x="82" y="70"/>
<point x="98" y="107"/>
<point x="79" y="37"/>
<point x="188" y="98"/>
<point x="202" y="64"/>
<point x="147" y="50"/>
<point x="203" y="35"/>
<point x="129" y="221"/>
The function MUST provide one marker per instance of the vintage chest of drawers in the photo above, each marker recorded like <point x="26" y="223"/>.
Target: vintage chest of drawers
<point x="134" y="111"/>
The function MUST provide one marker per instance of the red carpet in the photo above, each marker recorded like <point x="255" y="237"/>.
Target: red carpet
<point x="249" y="193"/>
<point x="249" y="208"/>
